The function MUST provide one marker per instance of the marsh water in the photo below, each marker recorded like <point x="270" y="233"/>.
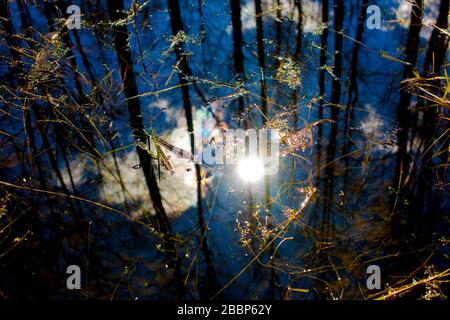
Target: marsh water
<point x="362" y="180"/>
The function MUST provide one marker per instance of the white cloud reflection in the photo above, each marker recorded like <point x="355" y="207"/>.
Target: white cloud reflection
<point x="179" y="191"/>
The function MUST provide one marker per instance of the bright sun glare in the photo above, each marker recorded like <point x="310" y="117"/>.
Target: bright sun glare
<point x="250" y="169"/>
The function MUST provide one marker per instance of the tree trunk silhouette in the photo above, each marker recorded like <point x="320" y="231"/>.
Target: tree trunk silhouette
<point x="177" y="26"/>
<point x="353" y="90"/>
<point x="427" y="202"/>
<point x="298" y="45"/>
<point x="322" y="63"/>
<point x="51" y="11"/>
<point x="134" y="110"/>
<point x="38" y="112"/>
<point x="277" y="25"/>
<point x="261" y="57"/>
<point x="51" y="15"/>
<point x="237" y="47"/>
<point x="63" y="5"/>
<point x="335" y="99"/>
<point x="264" y="109"/>
<point x="404" y="114"/>
<point x="18" y="74"/>
<point x="353" y="87"/>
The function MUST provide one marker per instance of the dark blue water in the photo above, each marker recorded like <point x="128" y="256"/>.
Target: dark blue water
<point x="322" y="253"/>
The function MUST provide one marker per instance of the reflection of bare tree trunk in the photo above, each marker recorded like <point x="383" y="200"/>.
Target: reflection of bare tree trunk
<point x="24" y="18"/>
<point x="404" y="115"/>
<point x="426" y="203"/>
<point x="49" y="150"/>
<point x="335" y="99"/>
<point x="353" y="88"/>
<point x="7" y="24"/>
<point x="262" y="66"/>
<point x="261" y="57"/>
<point x="51" y="13"/>
<point x="298" y="46"/>
<point x="177" y="26"/>
<point x="134" y="110"/>
<point x="277" y="26"/>
<point x="18" y="73"/>
<point x="237" y="46"/>
<point x="25" y="25"/>
<point x="34" y="154"/>
<point x="53" y="159"/>
<point x="322" y="63"/>
<point x="62" y="5"/>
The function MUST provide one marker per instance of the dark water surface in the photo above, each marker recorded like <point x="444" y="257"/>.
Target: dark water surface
<point x="366" y="186"/>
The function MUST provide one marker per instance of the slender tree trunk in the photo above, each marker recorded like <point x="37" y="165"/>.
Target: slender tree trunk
<point x="237" y="47"/>
<point x="353" y="88"/>
<point x="404" y="114"/>
<point x="402" y="172"/>
<point x="23" y="17"/>
<point x="177" y="26"/>
<point x="35" y="160"/>
<point x="37" y="111"/>
<point x="121" y="36"/>
<point x="51" y="13"/>
<point x="63" y="5"/>
<point x="322" y="63"/>
<point x="262" y="67"/>
<point x="298" y="45"/>
<point x="335" y="98"/>
<point x="426" y="202"/>
<point x="18" y="73"/>
<point x="261" y="56"/>
<point x="277" y="25"/>
<point x="49" y="150"/>
<point x="134" y="110"/>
